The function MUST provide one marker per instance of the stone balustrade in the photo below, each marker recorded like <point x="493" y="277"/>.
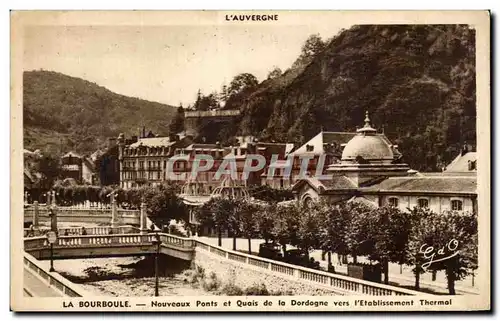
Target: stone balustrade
<point x="34" y="213"/>
<point x="343" y="284"/>
<point x="106" y="240"/>
<point x="98" y="230"/>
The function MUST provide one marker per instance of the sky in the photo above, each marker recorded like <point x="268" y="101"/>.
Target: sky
<point x="167" y="64"/>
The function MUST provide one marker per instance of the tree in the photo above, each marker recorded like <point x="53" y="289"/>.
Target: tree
<point x="312" y="46"/>
<point x="217" y="213"/>
<point x="265" y="220"/>
<point x="335" y="220"/>
<point x="177" y="123"/>
<point x="233" y="206"/>
<point x="421" y="221"/>
<point x="359" y="235"/>
<point x="224" y="94"/>
<point x="451" y="245"/>
<point x="309" y="222"/>
<point x="50" y="169"/>
<point x="163" y="205"/>
<point x="286" y="224"/>
<point x="391" y="237"/>
<point x="204" y="103"/>
<point x="242" y="82"/>
<point x="276" y="72"/>
<point x="248" y="221"/>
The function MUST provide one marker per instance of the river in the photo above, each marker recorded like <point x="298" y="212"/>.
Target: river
<point x="129" y="276"/>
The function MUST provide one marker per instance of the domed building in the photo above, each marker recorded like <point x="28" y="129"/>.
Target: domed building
<point x="370" y="171"/>
<point x="367" y="156"/>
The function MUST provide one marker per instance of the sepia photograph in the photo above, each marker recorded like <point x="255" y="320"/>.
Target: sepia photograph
<point x="250" y="161"/>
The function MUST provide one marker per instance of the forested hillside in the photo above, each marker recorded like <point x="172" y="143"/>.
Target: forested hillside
<point x="63" y="113"/>
<point x="417" y="82"/>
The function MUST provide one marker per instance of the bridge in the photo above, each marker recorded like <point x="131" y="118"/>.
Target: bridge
<point x="196" y="121"/>
<point x="38" y="281"/>
<point x="40" y="213"/>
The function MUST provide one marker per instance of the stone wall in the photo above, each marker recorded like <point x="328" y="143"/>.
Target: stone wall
<point x="244" y="276"/>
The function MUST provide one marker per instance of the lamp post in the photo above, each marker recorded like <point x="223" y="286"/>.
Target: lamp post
<point x="157" y="243"/>
<point x="52" y="238"/>
<point x="53" y="219"/>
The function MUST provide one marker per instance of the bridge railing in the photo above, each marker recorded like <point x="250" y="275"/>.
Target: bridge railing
<point x="52" y="279"/>
<point x="41" y="242"/>
<point x="44" y="211"/>
<point x="98" y="230"/>
<point x="329" y="280"/>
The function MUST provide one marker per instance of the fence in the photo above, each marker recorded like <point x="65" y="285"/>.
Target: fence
<point x="329" y="280"/>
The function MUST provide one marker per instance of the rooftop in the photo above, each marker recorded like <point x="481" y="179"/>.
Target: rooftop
<point x="336" y="183"/>
<point x="153" y="142"/>
<point x="315" y="145"/>
<point x="461" y="163"/>
<point x="446" y="184"/>
<point x="71" y="154"/>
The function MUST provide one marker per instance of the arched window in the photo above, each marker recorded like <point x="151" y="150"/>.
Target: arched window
<point x="423" y="203"/>
<point x="393" y="201"/>
<point x="456" y="205"/>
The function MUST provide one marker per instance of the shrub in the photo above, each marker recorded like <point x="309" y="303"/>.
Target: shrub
<point x="232" y="289"/>
<point x="211" y="284"/>
<point x="257" y="290"/>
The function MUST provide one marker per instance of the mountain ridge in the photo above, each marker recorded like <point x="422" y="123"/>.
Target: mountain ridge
<point x="416" y="81"/>
<point x="62" y="113"/>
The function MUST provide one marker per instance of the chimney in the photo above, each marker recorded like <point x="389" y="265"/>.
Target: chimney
<point x="143" y="131"/>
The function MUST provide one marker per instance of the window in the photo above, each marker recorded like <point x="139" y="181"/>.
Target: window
<point x="393" y="201"/>
<point x="423" y="203"/>
<point x="456" y="205"/>
<point x="309" y="148"/>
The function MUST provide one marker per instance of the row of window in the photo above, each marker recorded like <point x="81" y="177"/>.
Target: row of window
<point x="151" y="164"/>
<point x="456" y="205"/>
<point x="144" y="151"/>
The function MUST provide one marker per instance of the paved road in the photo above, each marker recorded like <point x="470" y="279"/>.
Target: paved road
<point x="36" y="287"/>
<point x="397" y="277"/>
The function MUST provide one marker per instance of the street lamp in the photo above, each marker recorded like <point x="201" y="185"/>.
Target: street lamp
<point x="157" y="242"/>
<point x="52" y="238"/>
<point x="53" y="219"/>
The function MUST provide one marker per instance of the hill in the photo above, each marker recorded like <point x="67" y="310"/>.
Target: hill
<point x="417" y="82"/>
<point x="63" y="113"/>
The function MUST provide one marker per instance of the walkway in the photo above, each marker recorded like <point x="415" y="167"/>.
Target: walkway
<point x="404" y="279"/>
<point x="36" y="287"/>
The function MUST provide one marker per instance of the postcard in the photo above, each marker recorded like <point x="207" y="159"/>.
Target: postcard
<point x="257" y="161"/>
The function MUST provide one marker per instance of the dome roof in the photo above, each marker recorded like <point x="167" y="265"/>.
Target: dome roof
<point x="368" y="145"/>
